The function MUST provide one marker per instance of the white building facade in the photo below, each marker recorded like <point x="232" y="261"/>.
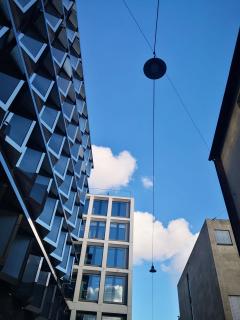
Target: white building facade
<point x="103" y="277"/>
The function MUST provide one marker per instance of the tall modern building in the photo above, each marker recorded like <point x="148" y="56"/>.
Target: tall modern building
<point x="103" y="277"/>
<point x="225" y="150"/>
<point x="209" y="287"/>
<point x="45" y="156"/>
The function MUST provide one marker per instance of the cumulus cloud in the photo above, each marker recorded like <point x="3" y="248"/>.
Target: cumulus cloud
<point x="147" y="182"/>
<point x="172" y="244"/>
<point x="111" y="171"/>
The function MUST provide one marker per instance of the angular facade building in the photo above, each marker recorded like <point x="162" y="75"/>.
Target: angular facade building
<point x="45" y="155"/>
<point x="102" y="279"/>
<point x="225" y="150"/>
<point x="209" y="287"/>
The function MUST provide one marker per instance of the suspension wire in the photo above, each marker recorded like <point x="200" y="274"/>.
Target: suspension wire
<point x="138" y="25"/>
<point x="153" y="165"/>
<point x="156" y="29"/>
<point x="188" y="113"/>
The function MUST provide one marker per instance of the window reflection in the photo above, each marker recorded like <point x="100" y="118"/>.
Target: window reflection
<point x="86" y="316"/>
<point x="97" y="230"/>
<point x="120" y="209"/>
<point x="100" y="207"/>
<point x="94" y="255"/>
<point x="115" y="289"/>
<point x="82" y="228"/>
<point x="117" y="257"/>
<point x="119" y="231"/>
<point x="90" y="287"/>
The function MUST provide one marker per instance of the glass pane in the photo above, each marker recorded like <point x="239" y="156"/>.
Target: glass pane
<point x="122" y="232"/>
<point x="90" y="287"/>
<point x="235" y="306"/>
<point x="94" y="255"/>
<point x="41" y="85"/>
<point x="223" y="237"/>
<point x="113" y="231"/>
<point x="31" y="46"/>
<point x="97" y="230"/>
<point x="114" y="290"/>
<point x="85" y="316"/>
<point x="121" y="258"/>
<point x="111" y="258"/>
<point x="105" y="317"/>
<point x="82" y="229"/>
<point x="117" y="257"/>
<point x="120" y="209"/>
<point x="85" y="209"/>
<point x="100" y="207"/>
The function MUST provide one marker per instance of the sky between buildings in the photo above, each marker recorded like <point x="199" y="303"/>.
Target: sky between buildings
<point x="196" y="39"/>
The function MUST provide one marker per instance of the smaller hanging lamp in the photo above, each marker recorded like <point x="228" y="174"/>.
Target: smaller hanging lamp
<point x="152" y="270"/>
<point x="154" y="68"/>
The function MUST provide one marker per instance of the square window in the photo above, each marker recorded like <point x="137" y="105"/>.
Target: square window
<point x="100" y="207"/>
<point x="115" y="290"/>
<point x="119" y="231"/>
<point x="97" y="230"/>
<point x="90" y="287"/>
<point x="121" y="209"/>
<point x="113" y="317"/>
<point x="235" y="306"/>
<point x="93" y="256"/>
<point x="86" y="316"/>
<point x="223" y="237"/>
<point x="117" y="257"/>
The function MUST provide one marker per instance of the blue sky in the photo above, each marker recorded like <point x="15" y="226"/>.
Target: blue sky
<point x="196" y="39"/>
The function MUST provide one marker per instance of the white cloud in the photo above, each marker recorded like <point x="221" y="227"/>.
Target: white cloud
<point x="172" y="244"/>
<point x="111" y="171"/>
<point x="147" y="182"/>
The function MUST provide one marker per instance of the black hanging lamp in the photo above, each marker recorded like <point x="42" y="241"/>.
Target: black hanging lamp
<point x="154" y="68"/>
<point x="152" y="270"/>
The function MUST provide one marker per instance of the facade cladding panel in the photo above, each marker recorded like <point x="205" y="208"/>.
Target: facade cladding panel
<point x="103" y="286"/>
<point x="45" y="156"/>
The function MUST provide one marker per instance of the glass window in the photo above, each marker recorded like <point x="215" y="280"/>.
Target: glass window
<point x="115" y="289"/>
<point x="86" y="205"/>
<point x="94" y="255"/>
<point x="90" y="287"/>
<point x="119" y="231"/>
<point x="223" y="237"/>
<point x="235" y="306"/>
<point x="97" y="230"/>
<point x="117" y="257"/>
<point x="85" y="316"/>
<point x="78" y="250"/>
<point x="100" y="207"/>
<point x="82" y="228"/>
<point x="120" y="208"/>
<point x="113" y="317"/>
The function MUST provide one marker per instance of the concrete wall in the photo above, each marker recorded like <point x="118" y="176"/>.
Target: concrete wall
<point x="227" y="263"/>
<point x="202" y="284"/>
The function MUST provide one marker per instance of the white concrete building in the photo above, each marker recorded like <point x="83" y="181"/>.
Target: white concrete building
<point x="103" y="289"/>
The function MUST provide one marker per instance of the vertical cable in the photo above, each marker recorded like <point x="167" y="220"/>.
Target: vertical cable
<point x="153" y="167"/>
<point x="156" y="27"/>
